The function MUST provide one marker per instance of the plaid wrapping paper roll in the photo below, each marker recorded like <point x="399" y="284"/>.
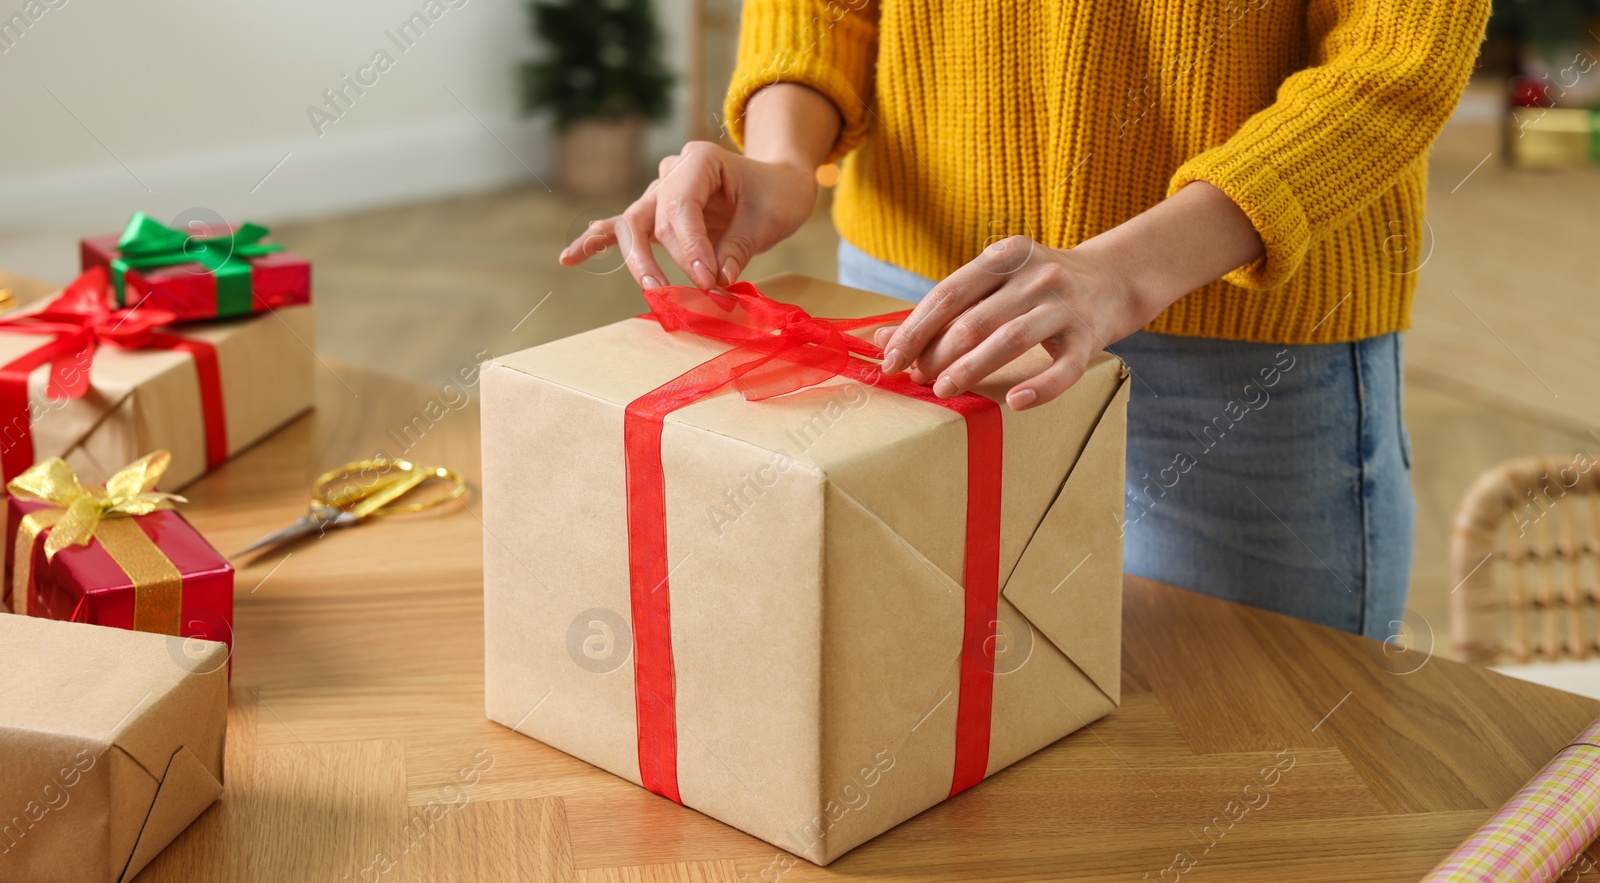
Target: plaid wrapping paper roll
<point x="1538" y="833"/>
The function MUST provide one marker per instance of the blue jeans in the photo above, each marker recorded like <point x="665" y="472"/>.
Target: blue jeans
<point x="1274" y="475"/>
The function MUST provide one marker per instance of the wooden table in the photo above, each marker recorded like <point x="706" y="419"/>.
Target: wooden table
<point x="358" y="701"/>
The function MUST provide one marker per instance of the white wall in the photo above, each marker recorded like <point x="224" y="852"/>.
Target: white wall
<point x="167" y="105"/>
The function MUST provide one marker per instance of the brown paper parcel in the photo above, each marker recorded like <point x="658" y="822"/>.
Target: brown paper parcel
<point x="111" y="743"/>
<point x="142" y="400"/>
<point x="815" y="545"/>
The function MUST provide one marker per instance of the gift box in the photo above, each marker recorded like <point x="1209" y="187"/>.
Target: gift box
<point x="1554" y="137"/>
<point x="134" y="564"/>
<point x="111" y="743"/>
<point x="100" y="387"/>
<point x="209" y="272"/>
<point x="727" y="559"/>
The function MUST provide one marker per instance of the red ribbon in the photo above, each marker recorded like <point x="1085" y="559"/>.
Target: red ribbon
<point x="779" y="348"/>
<point x="78" y="321"/>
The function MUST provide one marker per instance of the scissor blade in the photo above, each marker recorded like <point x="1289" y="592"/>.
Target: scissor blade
<point x="304" y="527"/>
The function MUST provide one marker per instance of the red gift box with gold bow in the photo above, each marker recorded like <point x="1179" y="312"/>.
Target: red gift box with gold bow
<point x="116" y="554"/>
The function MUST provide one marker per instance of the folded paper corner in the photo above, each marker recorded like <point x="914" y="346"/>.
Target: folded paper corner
<point x="186" y="790"/>
<point x="1068" y="582"/>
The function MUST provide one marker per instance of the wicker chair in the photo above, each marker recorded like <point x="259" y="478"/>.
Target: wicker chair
<point x="1533" y="524"/>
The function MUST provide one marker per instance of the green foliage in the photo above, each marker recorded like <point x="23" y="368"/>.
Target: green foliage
<point x="602" y="59"/>
<point x="1547" y="24"/>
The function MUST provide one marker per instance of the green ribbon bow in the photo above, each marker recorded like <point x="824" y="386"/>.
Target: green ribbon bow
<point x="148" y="243"/>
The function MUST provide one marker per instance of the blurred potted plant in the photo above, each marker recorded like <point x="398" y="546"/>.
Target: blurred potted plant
<point x="601" y="79"/>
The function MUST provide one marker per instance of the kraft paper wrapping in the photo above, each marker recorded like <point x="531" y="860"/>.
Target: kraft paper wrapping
<point x="145" y="400"/>
<point x="111" y="743"/>
<point x="1538" y="832"/>
<point x="816" y="544"/>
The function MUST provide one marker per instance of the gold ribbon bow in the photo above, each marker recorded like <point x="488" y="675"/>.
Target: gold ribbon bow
<point x="80" y="514"/>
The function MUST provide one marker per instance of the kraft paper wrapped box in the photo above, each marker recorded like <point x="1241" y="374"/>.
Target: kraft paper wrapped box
<point x="203" y="392"/>
<point x="111" y="744"/>
<point x="844" y="603"/>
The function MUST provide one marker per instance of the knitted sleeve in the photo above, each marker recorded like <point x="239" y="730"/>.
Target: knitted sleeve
<point x="829" y="45"/>
<point x="1384" y="75"/>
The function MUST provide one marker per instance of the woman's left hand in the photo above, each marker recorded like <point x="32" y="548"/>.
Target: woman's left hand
<point x="1015" y="295"/>
<point x="1073" y="301"/>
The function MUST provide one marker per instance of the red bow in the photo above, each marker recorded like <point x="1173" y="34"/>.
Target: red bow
<point x="780" y="348"/>
<point x="80" y="319"/>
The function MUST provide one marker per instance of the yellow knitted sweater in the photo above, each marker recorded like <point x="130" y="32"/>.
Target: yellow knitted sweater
<point x="971" y="121"/>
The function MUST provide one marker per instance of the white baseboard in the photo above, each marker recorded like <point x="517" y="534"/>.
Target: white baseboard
<point x="341" y="172"/>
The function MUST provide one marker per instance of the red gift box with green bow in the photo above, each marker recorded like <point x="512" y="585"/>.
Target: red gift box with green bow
<point x="215" y="272"/>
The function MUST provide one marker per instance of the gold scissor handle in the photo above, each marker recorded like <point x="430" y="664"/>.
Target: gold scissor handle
<point x="369" y="487"/>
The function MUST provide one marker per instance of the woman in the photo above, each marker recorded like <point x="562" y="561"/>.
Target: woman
<point x="1225" y="194"/>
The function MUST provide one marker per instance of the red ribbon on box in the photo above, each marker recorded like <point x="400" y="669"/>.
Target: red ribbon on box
<point x="79" y="321"/>
<point x="780" y="348"/>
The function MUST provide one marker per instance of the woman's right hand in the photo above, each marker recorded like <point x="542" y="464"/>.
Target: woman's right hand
<point x="711" y="209"/>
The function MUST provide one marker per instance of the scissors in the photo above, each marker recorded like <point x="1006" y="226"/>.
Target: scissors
<point x="365" y="489"/>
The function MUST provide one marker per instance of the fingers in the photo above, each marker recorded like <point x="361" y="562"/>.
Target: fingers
<point x="680" y="227"/>
<point x="619" y="231"/>
<point x="1070" y="343"/>
<point x="630" y="231"/>
<point x="1072" y="354"/>
<point x="598" y="237"/>
<point x="991" y="312"/>
<point x="991" y="317"/>
<point x="975" y="280"/>
<point x="680" y="223"/>
<point x="992" y="353"/>
<point x="736" y="247"/>
<point x="637" y="254"/>
<point x="672" y="212"/>
<point x="938" y="309"/>
<point x="1070" y="350"/>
